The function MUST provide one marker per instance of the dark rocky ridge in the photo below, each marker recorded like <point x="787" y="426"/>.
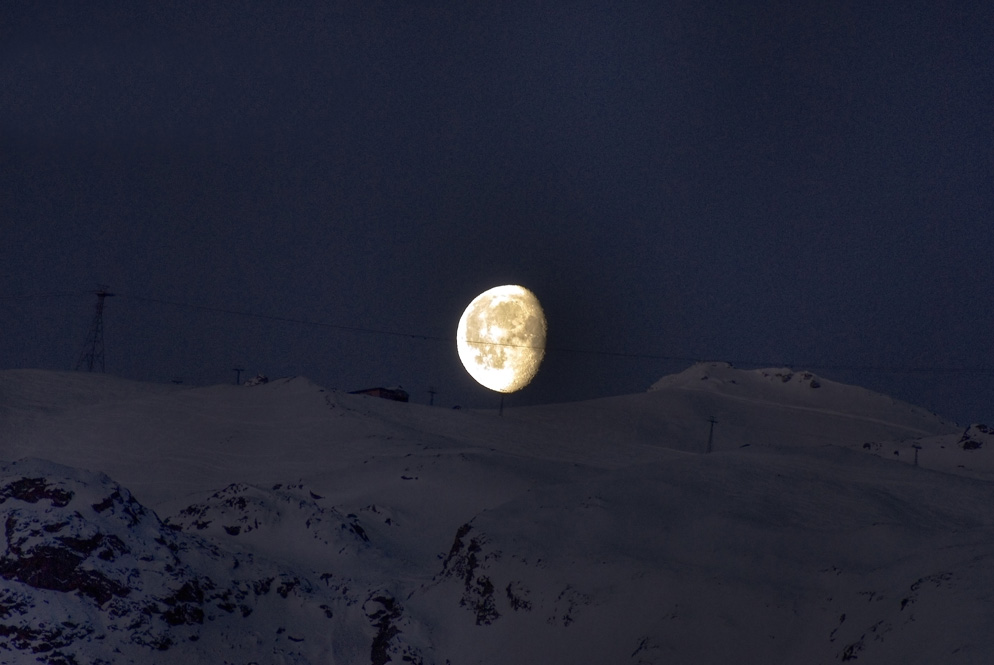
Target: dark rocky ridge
<point x="91" y="576"/>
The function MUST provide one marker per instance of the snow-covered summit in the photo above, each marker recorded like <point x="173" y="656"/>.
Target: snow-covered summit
<point x="786" y="386"/>
<point x="751" y="407"/>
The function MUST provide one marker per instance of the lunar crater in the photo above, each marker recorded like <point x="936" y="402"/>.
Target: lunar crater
<point x="501" y="338"/>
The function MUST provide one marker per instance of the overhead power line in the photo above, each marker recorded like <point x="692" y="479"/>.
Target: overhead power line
<point x="46" y="296"/>
<point x="895" y="369"/>
<point x="593" y="352"/>
<point x="380" y="331"/>
<point x="286" y="319"/>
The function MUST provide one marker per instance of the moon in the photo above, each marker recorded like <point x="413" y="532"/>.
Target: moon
<point x="501" y="338"/>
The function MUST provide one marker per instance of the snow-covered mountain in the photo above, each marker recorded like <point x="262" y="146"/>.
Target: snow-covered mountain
<point x="287" y="523"/>
<point x="92" y="576"/>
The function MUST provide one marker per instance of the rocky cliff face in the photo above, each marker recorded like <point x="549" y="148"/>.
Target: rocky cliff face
<point x="92" y="576"/>
<point x="976" y="437"/>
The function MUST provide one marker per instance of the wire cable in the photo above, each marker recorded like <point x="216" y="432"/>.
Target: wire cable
<point x="285" y="319"/>
<point x="46" y="296"/>
<point x="893" y="369"/>
<point x="593" y="352"/>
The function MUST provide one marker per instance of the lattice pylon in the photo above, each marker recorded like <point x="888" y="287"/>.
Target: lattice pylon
<point x="93" y="351"/>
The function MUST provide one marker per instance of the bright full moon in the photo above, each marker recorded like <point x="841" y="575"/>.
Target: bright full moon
<point x="501" y="338"/>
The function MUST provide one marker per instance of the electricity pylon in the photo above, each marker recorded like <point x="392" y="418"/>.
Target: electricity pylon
<point x="93" y="351"/>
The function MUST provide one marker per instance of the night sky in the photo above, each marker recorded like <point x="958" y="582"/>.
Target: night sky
<point x="769" y="183"/>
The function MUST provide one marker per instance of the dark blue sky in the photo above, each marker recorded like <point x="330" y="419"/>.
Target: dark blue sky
<point x="766" y="182"/>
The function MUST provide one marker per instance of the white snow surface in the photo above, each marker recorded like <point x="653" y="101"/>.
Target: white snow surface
<point x="287" y="523"/>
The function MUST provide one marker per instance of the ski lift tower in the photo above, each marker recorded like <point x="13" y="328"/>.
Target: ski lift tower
<point x="711" y="434"/>
<point x="93" y="351"/>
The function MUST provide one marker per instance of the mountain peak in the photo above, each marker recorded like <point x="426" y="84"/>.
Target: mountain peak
<point x="723" y="374"/>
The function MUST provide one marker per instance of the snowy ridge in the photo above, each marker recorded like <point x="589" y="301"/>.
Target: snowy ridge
<point x="770" y="407"/>
<point x="968" y="453"/>
<point x="799" y="390"/>
<point x="665" y="555"/>
<point x="287" y="522"/>
<point x="310" y="526"/>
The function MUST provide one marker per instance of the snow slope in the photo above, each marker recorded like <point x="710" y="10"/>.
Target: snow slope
<point x="757" y="407"/>
<point x="593" y="532"/>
